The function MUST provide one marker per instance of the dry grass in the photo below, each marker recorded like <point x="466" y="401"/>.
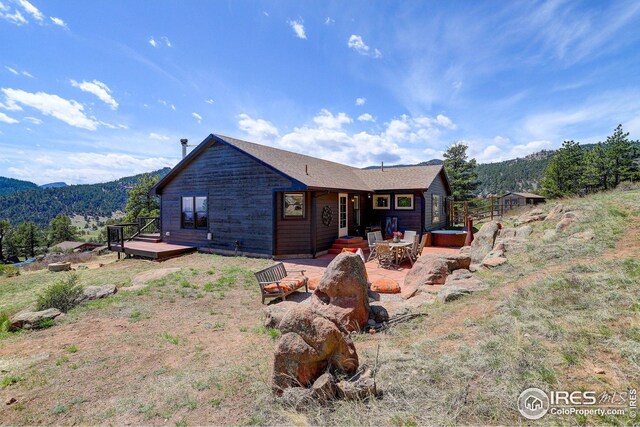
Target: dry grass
<point x="189" y="349"/>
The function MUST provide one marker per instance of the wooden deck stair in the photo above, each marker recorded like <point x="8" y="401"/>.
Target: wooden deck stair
<point x="349" y="242"/>
<point x="151" y="238"/>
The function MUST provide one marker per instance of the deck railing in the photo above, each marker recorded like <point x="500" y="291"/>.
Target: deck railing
<point x="480" y="209"/>
<point x="118" y="234"/>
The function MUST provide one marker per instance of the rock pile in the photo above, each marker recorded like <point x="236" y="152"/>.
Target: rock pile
<point x="315" y="358"/>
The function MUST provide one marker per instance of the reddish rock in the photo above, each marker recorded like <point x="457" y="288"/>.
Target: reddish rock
<point x="310" y="345"/>
<point x="274" y="313"/>
<point x="483" y="243"/>
<point x="426" y="271"/>
<point x="493" y="262"/>
<point x="341" y="294"/>
<point x="454" y="261"/>
<point x="385" y="286"/>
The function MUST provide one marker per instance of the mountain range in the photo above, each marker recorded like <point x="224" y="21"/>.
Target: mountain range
<point x="25" y="201"/>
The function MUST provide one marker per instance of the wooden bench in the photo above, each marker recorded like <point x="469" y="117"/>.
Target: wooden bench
<point x="275" y="282"/>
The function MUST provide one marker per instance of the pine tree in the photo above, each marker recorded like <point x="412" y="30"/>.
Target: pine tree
<point x="27" y="237"/>
<point x="598" y="168"/>
<point x="565" y="174"/>
<point x="5" y="229"/>
<point x="622" y="153"/>
<point x="61" y="230"/>
<point x="139" y="201"/>
<point x="461" y="172"/>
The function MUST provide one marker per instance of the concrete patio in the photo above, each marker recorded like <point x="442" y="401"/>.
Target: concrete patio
<point x="315" y="267"/>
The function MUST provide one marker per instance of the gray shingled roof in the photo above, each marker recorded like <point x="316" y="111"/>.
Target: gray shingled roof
<point x="318" y="173"/>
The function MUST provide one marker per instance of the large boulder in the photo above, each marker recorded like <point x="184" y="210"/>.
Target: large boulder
<point x="274" y="313"/>
<point x="59" y="266"/>
<point x="568" y="218"/>
<point x="33" y="319"/>
<point x="385" y="285"/>
<point x="309" y="346"/>
<point x="555" y="213"/>
<point x="483" y="242"/>
<point x="460" y="283"/>
<point x="425" y="272"/>
<point x="531" y="216"/>
<point x="342" y="294"/>
<point x="454" y="261"/>
<point x="96" y="292"/>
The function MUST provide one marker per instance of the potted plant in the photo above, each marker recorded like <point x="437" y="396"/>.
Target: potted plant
<point x="397" y="236"/>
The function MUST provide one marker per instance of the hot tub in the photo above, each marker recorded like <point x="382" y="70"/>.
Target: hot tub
<point x="448" y="238"/>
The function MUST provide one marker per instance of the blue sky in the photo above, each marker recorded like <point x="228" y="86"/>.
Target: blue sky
<point x="92" y="91"/>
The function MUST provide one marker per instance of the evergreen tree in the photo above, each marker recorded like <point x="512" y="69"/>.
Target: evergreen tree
<point x="139" y="201"/>
<point x="598" y="168"/>
<point x="61" y="229"/>
<point x="5" y="229"/>
<point x="461" y="172"/>
<point x="622" y="153"/>
<point x="27" y="238"/>
<point x="565" y="174"/>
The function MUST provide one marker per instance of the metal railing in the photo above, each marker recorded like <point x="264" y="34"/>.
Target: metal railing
<point x="118" y="234"/>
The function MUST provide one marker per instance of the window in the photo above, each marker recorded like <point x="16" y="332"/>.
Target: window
<point x="404" y="202"/>
<point x="195" y="212"/>
<point x="382" y="201"/>
<point x="356" y="210"/>
<point x="342" y="211"/>
<point x="435" y="208"/>
<point x="293" y="205"/>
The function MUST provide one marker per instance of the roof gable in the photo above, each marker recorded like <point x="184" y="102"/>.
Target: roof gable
<point x="314" y="173"/>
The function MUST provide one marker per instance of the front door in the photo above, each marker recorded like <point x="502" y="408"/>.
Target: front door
<point x="343" y="222"/>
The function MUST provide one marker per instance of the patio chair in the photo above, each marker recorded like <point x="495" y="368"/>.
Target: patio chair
<point x="379" y="236"/>
<point x="385" y="255"/>
<point x="413" y="250"/>
<point x="371" y="238"/>
<point x="409" y="236"/>
<point x="423" y="243"/>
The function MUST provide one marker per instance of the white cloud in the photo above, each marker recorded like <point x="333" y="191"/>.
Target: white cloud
<point x="98" y="89"/>
<point x="361" y="101"/>
<point x="196" y="116"/>
<point x="27" y="74"/>
<point x="12" y="70"/>
<point x="265" y="14"/>
<point x="87" y="168"/>
<point x="356" y="43"/>
<point x="366" y="117"/>
<point x="257" y="128"/>
<point x="327" y="139"/>
<point x="166" y="40"/>
<point x="68" y="111"/>
<point x="31" y="10"/>
<point x="158" y="137"/>
<point x="329" y="21"/>
<point x="14" y="18"/>
<point x="6" y="119"/>
<point x="298" y="28"/>
<point x="58" y="21"/>
<point x="153" y="42"/>
<point x="33" y="120"/>
<point x="325" y="119"/>
<point x="209" y="101"/>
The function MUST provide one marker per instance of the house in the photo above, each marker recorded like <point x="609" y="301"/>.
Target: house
<point x="513" y="199"/>
<point x="76" y="246"/>
<point x="232" y="196"/>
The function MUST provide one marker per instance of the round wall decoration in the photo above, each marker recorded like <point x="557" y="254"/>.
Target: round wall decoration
<point x="327" y="215"/>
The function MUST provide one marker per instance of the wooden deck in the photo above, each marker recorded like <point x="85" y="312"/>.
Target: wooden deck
<point x="153" y="250"/>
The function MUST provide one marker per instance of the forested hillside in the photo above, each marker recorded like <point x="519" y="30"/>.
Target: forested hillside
<point x="40" y="205"/>
<point x="522" y="174"/>
<point x="10" y="185"/>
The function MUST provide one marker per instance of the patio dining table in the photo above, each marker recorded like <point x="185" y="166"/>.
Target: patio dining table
<point x="401" y="250"/>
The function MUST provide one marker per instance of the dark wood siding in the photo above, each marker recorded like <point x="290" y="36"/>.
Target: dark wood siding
<point x="293" y="235"/>
<point x="407" y="220"/>
<point x="325" y="235"/>
<point x="437" y="187"/>
<point x="240" y="199"/>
